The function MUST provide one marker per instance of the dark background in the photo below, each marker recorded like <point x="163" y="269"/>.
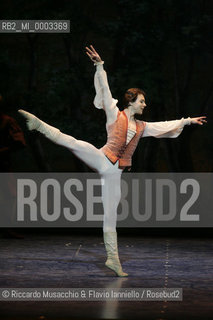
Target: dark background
<point x="163" y="47"/>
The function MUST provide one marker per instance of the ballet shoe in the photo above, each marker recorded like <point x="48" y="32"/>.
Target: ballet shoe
<point x="113" y="262"/>
<point x="33" y="122"/>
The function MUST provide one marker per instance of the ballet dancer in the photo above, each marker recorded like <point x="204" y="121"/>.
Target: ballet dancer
<point x="123" y="134"/>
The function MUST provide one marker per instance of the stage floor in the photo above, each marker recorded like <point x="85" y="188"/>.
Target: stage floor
<point x="78" y="262"/>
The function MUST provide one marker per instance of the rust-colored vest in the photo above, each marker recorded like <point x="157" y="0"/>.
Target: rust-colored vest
<point x="116" y="147"/>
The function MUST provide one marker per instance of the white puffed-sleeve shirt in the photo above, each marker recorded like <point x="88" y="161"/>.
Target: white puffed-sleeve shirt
<point x="161" y="129"/>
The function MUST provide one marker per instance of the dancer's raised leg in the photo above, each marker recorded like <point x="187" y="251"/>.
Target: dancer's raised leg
<point x="85" y="151"/>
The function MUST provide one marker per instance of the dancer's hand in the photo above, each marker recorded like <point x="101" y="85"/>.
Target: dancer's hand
<point x="92" y="54"/>
<point x="199" y="120"/>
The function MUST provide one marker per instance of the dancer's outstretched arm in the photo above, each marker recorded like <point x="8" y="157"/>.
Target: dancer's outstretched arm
<point x="103" y="97"/>
<point x="170" y="129"/>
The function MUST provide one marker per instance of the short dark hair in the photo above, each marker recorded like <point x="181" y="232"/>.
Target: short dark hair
<point x="131" y="96"/>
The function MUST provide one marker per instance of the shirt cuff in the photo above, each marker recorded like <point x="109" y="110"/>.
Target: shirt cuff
<point x="98" y="63"/>
<point x="187" y="121"/>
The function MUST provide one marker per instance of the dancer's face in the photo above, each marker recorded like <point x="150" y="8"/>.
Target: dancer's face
<point x="139" y="104"/>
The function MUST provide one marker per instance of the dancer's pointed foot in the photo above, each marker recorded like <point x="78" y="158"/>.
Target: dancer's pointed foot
<point x="113" y="261"/>
<point x="33" y="122"/>
<point x="115" y="265"/>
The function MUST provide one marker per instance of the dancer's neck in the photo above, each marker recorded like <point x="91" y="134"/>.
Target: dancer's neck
<point x="130" y="114"/>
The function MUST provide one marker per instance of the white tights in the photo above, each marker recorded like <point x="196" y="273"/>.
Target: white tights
<point x="110" y="175"/>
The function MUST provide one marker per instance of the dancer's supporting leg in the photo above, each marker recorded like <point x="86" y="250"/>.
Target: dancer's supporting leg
<point x="85" y="151"/>
<point x="111" y="194"/>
